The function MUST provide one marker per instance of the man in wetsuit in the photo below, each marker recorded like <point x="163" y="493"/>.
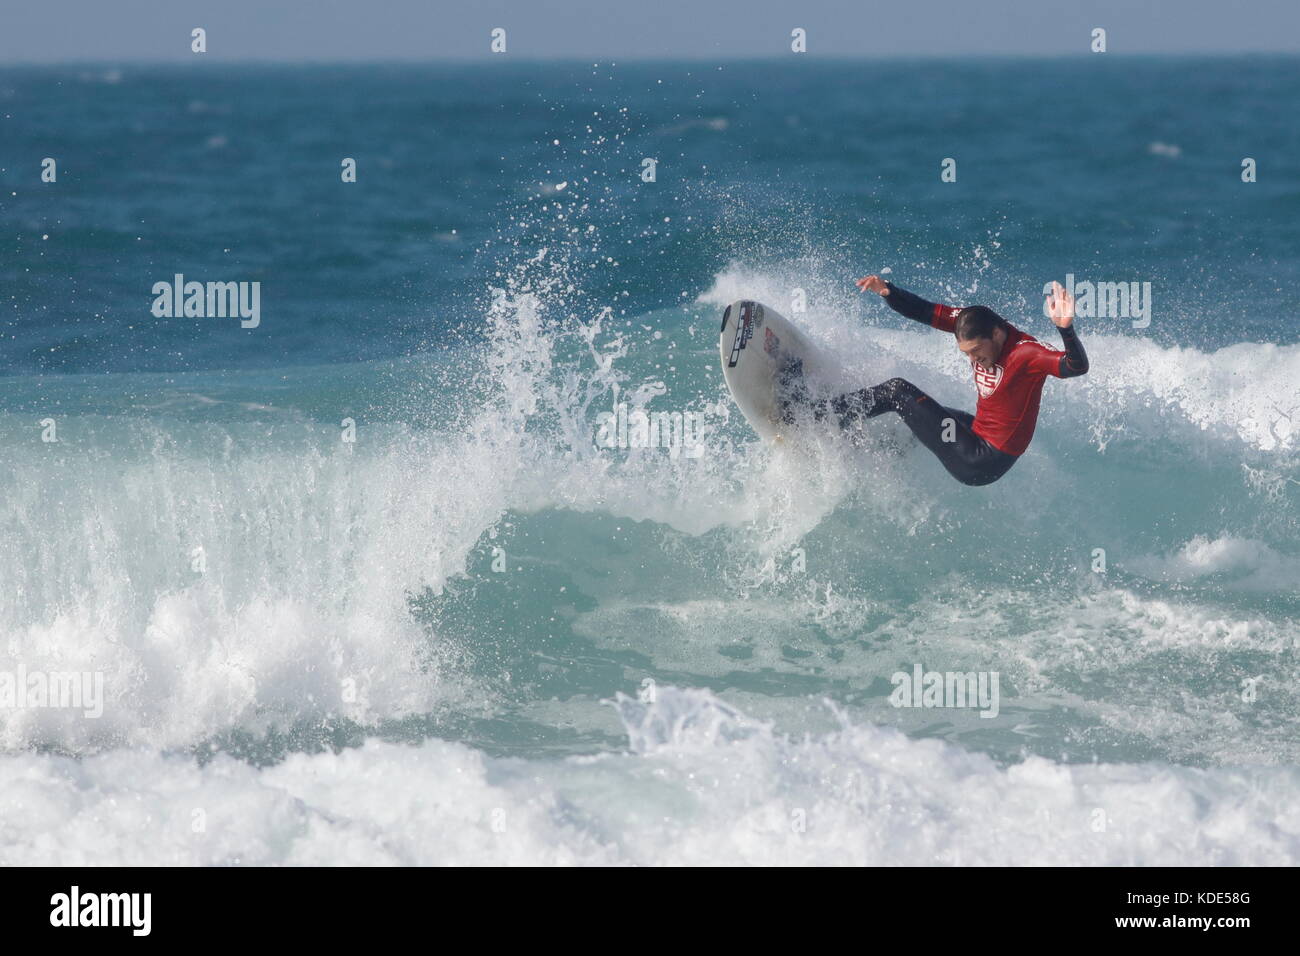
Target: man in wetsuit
<point x="1010" y="368"/>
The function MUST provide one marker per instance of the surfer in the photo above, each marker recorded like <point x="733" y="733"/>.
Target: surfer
<point x="1010" y="368"/>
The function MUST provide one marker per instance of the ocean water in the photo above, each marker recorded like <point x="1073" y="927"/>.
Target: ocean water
<point x="460" y="630"/>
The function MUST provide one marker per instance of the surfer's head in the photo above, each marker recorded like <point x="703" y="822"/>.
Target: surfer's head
<point x="981" y="333"/>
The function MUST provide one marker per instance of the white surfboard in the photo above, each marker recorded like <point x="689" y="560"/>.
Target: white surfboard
<point x="764" y="357"/>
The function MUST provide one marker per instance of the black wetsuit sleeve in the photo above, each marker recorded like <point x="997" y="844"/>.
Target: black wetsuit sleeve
<point x="1075" y="360"/>
<point x="910" y="305"/>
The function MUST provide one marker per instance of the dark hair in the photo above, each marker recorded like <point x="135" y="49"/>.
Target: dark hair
<point x="977" y="322"/>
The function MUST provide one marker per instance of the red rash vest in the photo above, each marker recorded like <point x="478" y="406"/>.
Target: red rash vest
<point x="1007" y="410"/>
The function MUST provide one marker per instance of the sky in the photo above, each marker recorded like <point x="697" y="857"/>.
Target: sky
<point x="118" y="31"/>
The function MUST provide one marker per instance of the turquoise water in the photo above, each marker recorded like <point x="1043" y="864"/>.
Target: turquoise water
<point x="380" y="649"/>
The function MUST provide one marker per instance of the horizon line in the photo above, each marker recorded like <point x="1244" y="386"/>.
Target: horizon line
<point x="573" y="59"/>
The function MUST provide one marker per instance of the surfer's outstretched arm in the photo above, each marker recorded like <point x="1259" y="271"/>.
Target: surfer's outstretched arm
<point x="1060" y="309"/>
<point x="941" y="317"/>
<point x="1075" y="360"/>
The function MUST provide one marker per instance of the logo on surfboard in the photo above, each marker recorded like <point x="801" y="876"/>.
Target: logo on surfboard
<point x="751" y="316"/>
<point x="771" y="341"/>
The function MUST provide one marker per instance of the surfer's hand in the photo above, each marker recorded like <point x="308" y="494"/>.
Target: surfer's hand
<point x="1060" y="306"/>
<point x="873" y="284"/>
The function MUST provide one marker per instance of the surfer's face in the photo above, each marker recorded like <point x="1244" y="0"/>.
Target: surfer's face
<point x="984" y="352"/>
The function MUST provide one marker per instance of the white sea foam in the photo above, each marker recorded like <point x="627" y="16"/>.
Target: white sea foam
<point x="1239" y="563"/>
<point x="701" y="784"/>
<point x="238" y="592"/>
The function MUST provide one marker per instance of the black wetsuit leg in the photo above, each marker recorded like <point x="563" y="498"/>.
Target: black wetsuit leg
<point x="968" y="457"/>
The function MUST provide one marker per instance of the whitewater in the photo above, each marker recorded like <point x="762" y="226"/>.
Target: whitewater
<point x="342" y="597"/>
